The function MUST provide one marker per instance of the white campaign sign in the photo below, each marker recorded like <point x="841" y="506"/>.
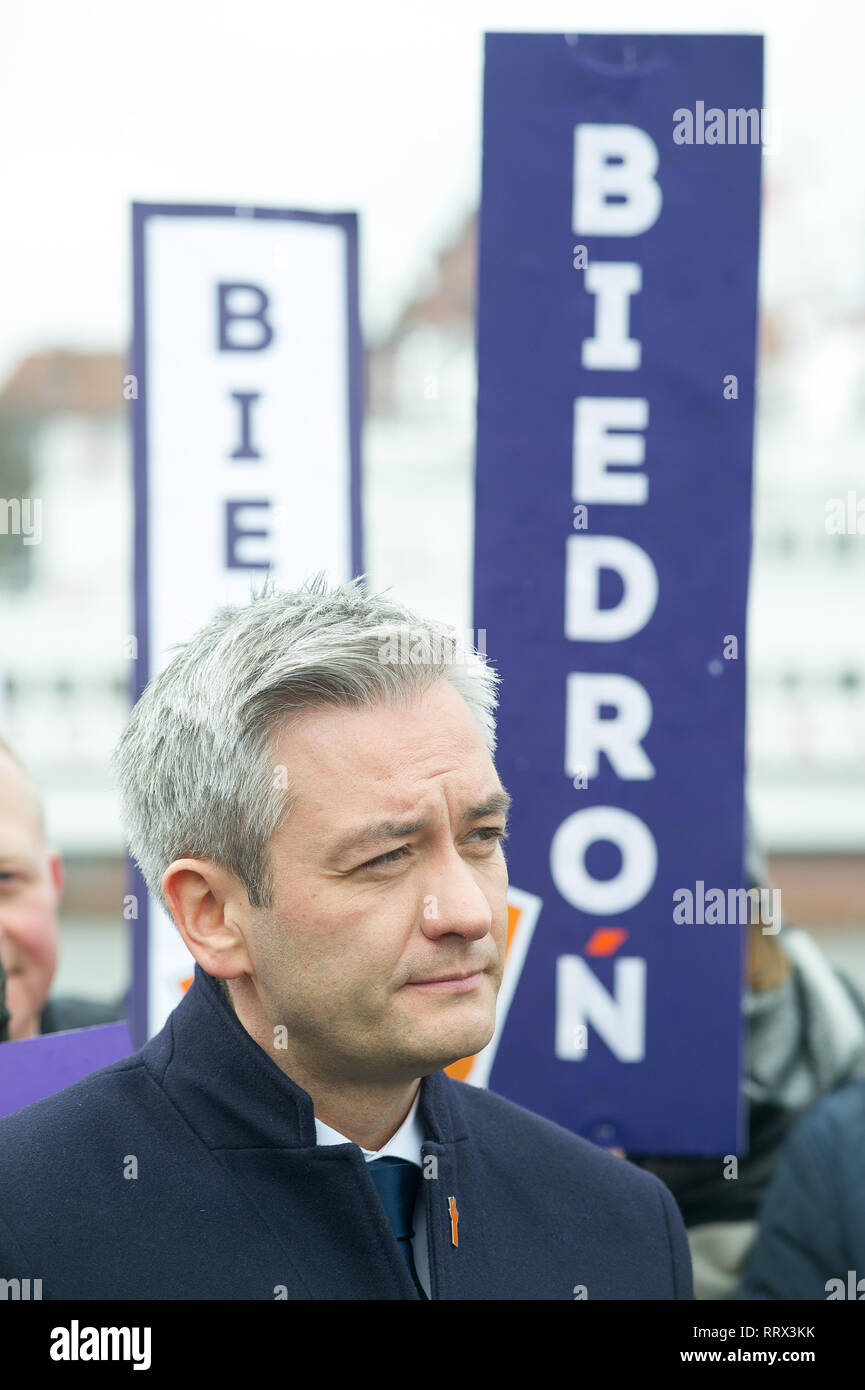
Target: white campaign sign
<point x="244" y="343"/>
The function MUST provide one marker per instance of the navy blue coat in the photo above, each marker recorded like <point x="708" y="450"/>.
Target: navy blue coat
<point x="234" y="1200"/>
<point x="812" y="1222"/>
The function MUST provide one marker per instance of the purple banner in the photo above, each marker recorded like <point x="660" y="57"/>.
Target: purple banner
<point x="617" y="339"/>
<point x="35" y="1068"/>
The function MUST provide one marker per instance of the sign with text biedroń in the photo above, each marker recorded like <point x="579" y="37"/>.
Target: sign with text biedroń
<point x="616" y="339"/>
<point x="246" y="385"/>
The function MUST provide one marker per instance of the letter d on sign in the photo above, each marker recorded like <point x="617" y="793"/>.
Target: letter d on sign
<point x="585" y="557"/>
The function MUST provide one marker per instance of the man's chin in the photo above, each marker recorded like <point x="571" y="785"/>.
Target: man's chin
<point x="447" y="1048"/>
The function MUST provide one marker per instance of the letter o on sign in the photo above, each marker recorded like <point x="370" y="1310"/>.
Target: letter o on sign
<point x="568" y="860"/>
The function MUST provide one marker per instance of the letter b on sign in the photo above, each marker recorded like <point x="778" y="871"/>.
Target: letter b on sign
<point x="630" y="179"/>
<point x="243" y="324"/>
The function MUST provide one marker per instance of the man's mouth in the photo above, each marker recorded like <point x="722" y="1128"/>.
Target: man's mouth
<point x="457" y="982"/>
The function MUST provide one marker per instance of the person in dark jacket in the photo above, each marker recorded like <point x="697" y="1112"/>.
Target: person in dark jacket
<point x="31" y="882"/>
<point x="323" y="820"/>
<point x="62" y="1015"/>
<point x="811" y="1235"/>
<point x="805" y="1037"/>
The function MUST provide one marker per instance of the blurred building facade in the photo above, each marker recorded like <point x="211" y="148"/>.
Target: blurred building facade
<point x="67" y="603"/>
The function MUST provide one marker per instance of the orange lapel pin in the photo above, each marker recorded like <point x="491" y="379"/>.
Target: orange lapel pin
<point x="455" y="1216"/>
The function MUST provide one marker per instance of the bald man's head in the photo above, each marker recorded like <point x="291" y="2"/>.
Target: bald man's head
<point x="31" y="877"/>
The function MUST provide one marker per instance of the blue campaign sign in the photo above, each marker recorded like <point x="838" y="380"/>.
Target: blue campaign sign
<point x="617" y="339"/>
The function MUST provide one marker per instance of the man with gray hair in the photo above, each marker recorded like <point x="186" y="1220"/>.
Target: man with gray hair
<point x="324" y="822"/>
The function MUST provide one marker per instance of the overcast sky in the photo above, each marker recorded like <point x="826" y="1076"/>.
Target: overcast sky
<point x="370" y="106"/>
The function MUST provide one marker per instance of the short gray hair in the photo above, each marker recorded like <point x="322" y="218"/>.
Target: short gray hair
<point x="195" y="762"/>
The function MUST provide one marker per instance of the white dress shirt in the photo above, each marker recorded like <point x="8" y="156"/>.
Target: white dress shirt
<point x="406" y="1143"/>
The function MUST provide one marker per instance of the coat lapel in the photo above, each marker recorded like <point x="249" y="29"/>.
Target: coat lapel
<point x="319" y="1203"/>
<point x="321" y="1206"/>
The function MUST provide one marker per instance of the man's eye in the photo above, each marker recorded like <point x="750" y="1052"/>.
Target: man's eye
<point x="492" y="832"/>
<point x="392" y="857"/>
<point x="488" y="832"/>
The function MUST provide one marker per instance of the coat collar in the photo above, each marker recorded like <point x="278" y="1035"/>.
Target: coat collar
<point x="234" y="1094"/>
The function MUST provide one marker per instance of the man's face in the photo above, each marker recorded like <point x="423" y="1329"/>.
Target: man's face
<point x="30" y="881"/>
<point x="362" y="927"/>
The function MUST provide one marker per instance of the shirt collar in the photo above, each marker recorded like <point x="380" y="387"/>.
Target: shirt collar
<point x="406" y="1143"/>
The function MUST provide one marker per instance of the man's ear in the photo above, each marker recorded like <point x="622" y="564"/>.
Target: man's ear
<point x="212" y="912"/>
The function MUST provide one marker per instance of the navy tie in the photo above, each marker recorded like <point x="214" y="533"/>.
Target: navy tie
<point x="396" y="1181"/>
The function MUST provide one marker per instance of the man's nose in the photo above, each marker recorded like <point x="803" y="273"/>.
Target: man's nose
<point x="454" y="903"/>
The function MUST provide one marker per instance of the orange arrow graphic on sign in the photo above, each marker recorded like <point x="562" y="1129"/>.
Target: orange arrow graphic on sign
<point x="605" y="941"/>
<point x="460" y="1070"/>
